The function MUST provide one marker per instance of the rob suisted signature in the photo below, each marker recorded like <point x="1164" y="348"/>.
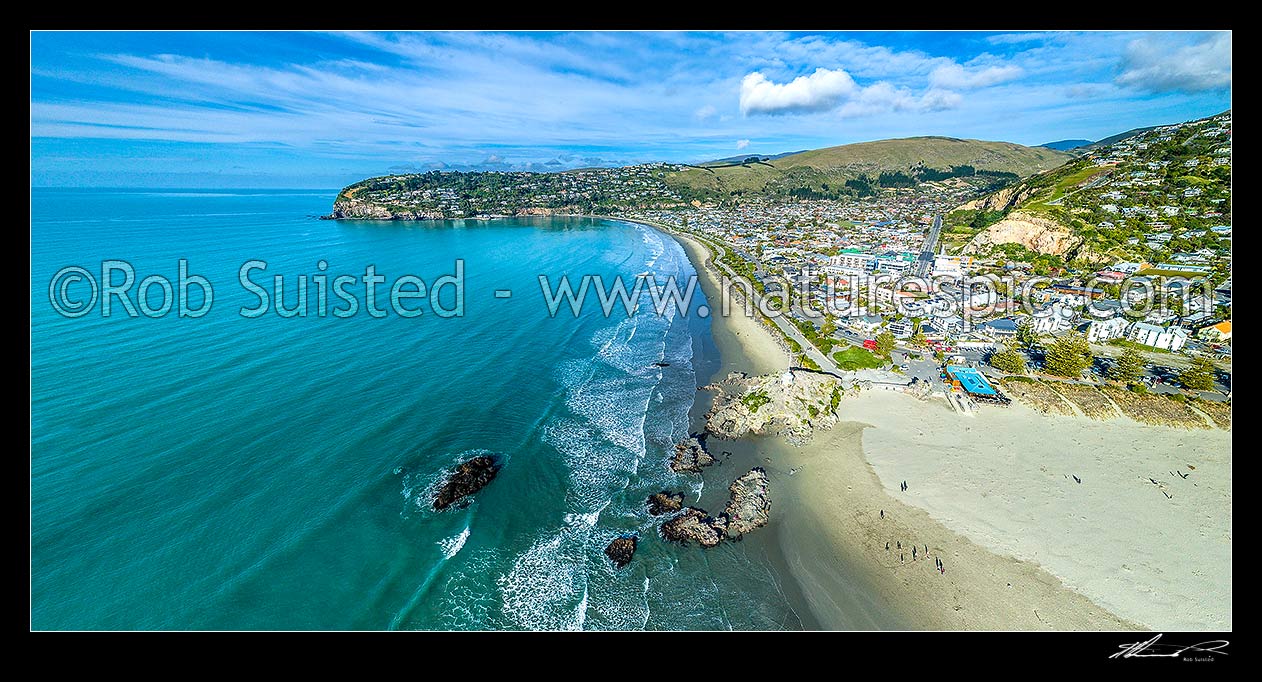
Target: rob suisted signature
<point x="1152" y="649"/>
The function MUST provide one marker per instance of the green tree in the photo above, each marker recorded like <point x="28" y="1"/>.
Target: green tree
<point x="1026" y="336"/>
<point x="1128" y="368"/>
<point x="829" y="327"/>
<point x="1009" y="360"/>
<point x="884" y="344"/>
<point x="1199" y="376"/>
<point x="1068" y="356"/>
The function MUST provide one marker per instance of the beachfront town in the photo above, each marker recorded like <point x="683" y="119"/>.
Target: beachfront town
<point x="858" y="269"/>
<point x="913" y="264"/>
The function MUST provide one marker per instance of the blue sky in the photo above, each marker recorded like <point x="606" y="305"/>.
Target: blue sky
<point x="261" y="109"/>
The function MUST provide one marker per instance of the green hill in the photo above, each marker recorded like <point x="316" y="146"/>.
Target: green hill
<point x="1154" y="195"/>
<point x="859" y="169"/>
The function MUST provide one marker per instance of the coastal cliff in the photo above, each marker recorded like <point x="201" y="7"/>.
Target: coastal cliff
<point x="1037" y="233"/>
<point x="358" y="209"/>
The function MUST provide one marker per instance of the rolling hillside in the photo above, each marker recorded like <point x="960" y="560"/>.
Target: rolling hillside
<point x="856" y="169"/>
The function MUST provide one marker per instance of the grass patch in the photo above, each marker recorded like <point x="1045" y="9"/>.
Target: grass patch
<point x="755" y="400"/>
<point x="1127" y="343"/>
<point x="1064" y="185"/>
<point x="1155" y="272"/>
<point x="856" y="358"/>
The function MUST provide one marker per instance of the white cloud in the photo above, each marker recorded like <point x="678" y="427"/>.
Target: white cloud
<point x="1017" y="38"/>
<point x="954" y="76"/>
<point x="940" y="100"/>
<point x="741" y="144"/>
<point x="821" y="91"/>
<point x="879" y="98"/>
<point x="1082" y="91"/>
<point x="827" y="90"/>
<point x="1151" y="66"/>
<point x="706" y="112"/>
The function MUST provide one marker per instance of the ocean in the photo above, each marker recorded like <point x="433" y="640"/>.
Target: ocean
<point x="274" y="472"/>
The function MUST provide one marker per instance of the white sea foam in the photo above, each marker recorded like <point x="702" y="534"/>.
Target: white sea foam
<point x="564" y="581"/>
<point x="544" y="588"/>
<point x="454" y="544"/>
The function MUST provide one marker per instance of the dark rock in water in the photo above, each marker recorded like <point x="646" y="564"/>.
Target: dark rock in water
<point x="691" y="456"/>
<point x="749" y="506"/>
<point x="469" y="478"/>
<point x="661" y="364"/>
<point x="696" y="524"/>
<point x="621" y="550"/>
<point x="665" y="502"/>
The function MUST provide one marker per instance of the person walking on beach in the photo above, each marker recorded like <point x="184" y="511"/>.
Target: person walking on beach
<point x="887" y="546"/>
<point x="882" y="513"/>
<point x="913" y="552"/>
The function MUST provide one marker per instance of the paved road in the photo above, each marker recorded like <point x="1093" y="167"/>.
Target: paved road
<point x="925" y="261"/>
<point x="825" y="363"/>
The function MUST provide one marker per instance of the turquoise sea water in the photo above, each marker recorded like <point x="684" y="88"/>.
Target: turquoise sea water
<point x="226" y="473"/>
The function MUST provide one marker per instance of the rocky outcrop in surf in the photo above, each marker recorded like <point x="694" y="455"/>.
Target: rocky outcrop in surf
<point x="468" y="478"/>
<point x="696" y="525"/>
<point x="621" y="550"/>
<point x="749" y="506"/>
<point x="690" y="456"/>
<point x="665" y="502"/>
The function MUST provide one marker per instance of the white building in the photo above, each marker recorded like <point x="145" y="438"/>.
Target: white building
<point x="1102" y="331"/>
<point x="1057" y="317"/>
<point x="901" y="329"/>
<point x="852" y="262"/>
<point x="1169" y="338"/>
<point x="950" y="266"/>
<point x="1128" y="268"/>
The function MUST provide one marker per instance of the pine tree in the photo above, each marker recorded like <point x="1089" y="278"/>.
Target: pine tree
<point x="884" y="344"/>
<point x="1008" y="360"/>
<point x="1026" y="335"/>
<point x="1068" y="356"/>
<point x="1128" y="368"/>
<point x="1199" y="376"/>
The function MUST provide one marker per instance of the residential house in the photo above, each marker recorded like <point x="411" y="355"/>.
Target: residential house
<point x="1002" y="328"/>
<point x="1101" y="331"/>
<point x="1168" y="338"/>
<point x="901" y="329"/>
<point x="1216" y="333"/>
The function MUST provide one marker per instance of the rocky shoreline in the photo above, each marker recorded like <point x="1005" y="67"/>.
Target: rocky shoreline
<point x="357" y="209"/>
<point x="691" y="456"/>
<point x="749" y="507"/>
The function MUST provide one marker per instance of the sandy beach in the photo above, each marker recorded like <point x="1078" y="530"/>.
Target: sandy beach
<point x="1157" y="554"/>
<point x="1024" y="546"/>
